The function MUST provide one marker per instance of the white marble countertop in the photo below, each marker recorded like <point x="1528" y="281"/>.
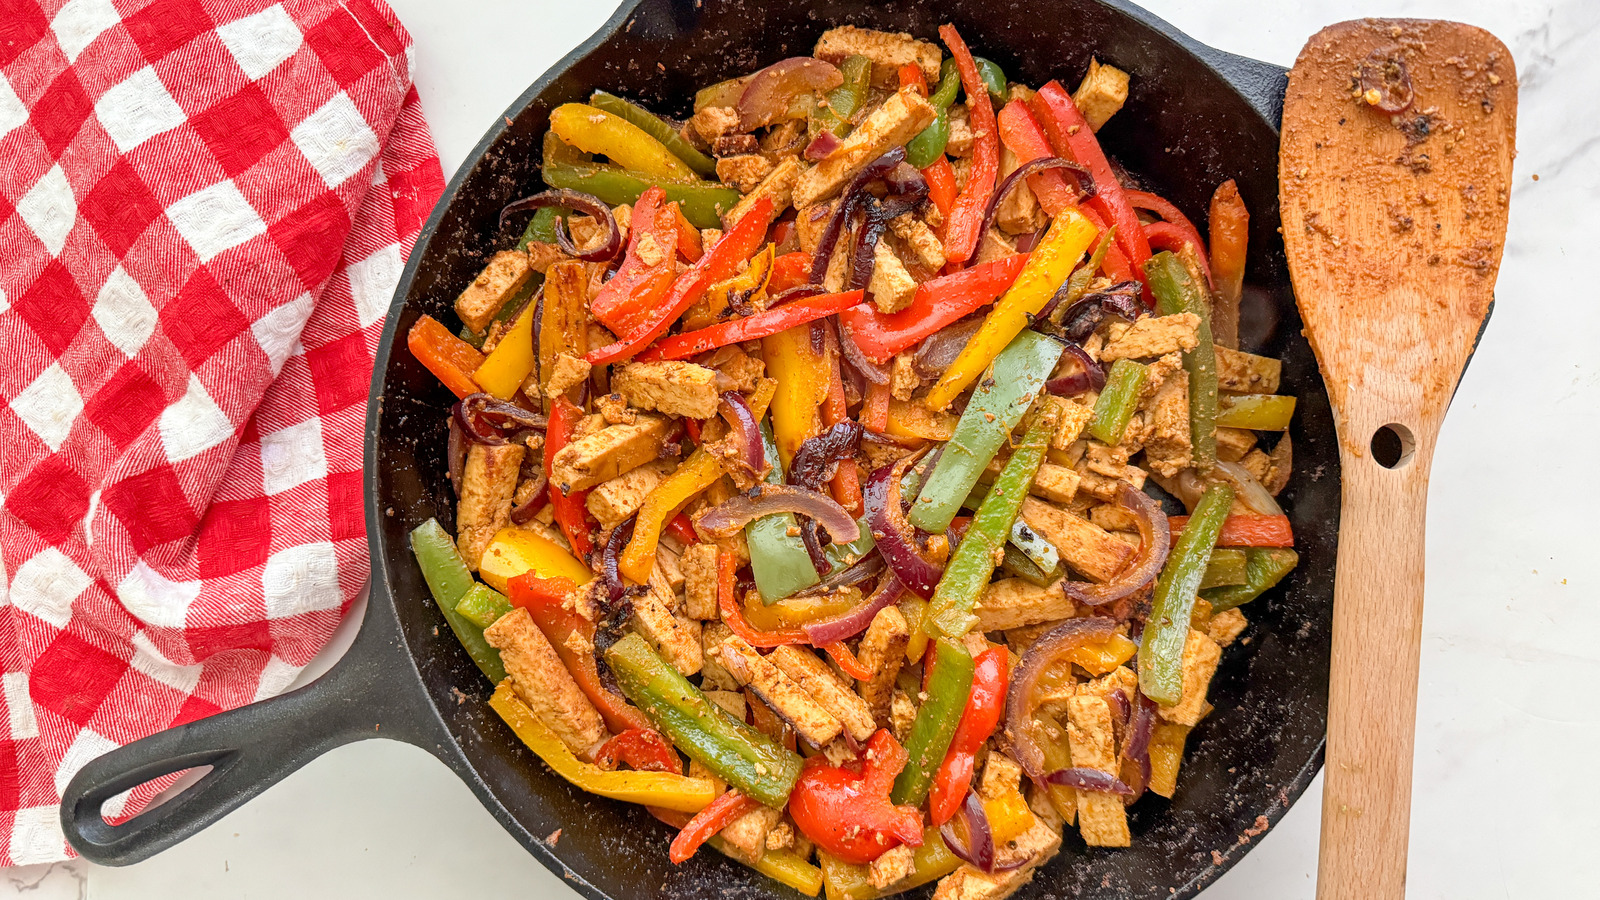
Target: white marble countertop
<point x="1503" y="807"/>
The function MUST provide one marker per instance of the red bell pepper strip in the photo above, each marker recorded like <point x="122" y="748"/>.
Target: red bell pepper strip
<point x="1246" y="530"/>
<point x="846" y="484"/>
<point x="789" y="270"/>
<point x="643" y="749"/>
<point x="568" y="508"/>
<point x="849" y="814"/>
<point x="640" y="283"/>
<point x="1073" y="139"/>
<point x="753" y="327"/>
<point x="720" y="262"/>
<point x="707" y="822"/>
<point x="941" y="180"/>
<point x="911" y="75"/>
<point x="733" y="613"/>
<point x="1021" y="134"/>
<point x="1114" y="264"/>
<point x="1173" y="236"/>
<point x="847" y="661"/>
<point x="689" y="244"/>
<point x="875" y="408"/>
<point x="1162" y="207"/>
<point x="681" y="528"/>
<point x="448" y="357"/>
<point x="542" y="597"/>
<point x="985" y="705"/>
<point x="961" y="235"/>
<point x="936" y="304"/>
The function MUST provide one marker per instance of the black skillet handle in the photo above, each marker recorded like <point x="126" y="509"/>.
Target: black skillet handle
<point x="1261" y="83"/>
<point x="371" y="692"/>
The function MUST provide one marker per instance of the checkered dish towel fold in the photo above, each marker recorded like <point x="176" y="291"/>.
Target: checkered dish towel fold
<point x="204" y="210"/>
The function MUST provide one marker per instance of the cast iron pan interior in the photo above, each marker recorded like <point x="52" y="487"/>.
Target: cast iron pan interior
<point x="1184" y="130"/>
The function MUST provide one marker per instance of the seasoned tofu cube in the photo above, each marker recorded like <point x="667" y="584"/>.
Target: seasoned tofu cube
<point x="903" y="380"/>
<point x="612" y="502"/>
<point x="1112" y="517"/>
<point x="1002" y="776"/>
<point x="1234" y="443"/>
<point x="505" y="274"/>
<point x="1258" y="464"/>
<point x="744" y="370"/>
<point x="713" y="122"/>
<point x="891" y="867"/>
<point x="1102" y="92"/>
<point x="777" y="186"/>
<point x="1055" y="483"/>
<point x="1246" y="373"/>
<point x="1102" y="818"/>
<point x="993" y="246"/>
<point x="816" y="679"/>
<point x="699" y="564"/>
<point x="1200" y="657"/>
<point x="673" y="635"/>
<point x="959" y="143"/>
<point x="1015" y="602"/>
<point x="1019" y="212"/>
<point x="544" y="683"/>
<point x="1104" y="487"/>
<point x="615" y="410"/>
<point x="883" y="651"/>
<point x="902" y="714"/>
<point x="712" y="673"/>
<point x="566" y="372"/>
<point x="781" y="837"/>
<point x="746" y="836"/>
<point x="887" y="50"/>
<point x="810" y="222"/>
<point x="744" y="171"/>
<point x="608" y="453"/>
<point x="1226" y="626"/>
<point x="891" y="287"/>
<point x="671" y="386"/>
<point x="1071" y="418"/>
<point x="1169" y="448"/>
<point x="779" y="691"/>
<point x="1082" y="545"/>
<point x="667" y="559"/>
<point x="890" y="125"/>
<point x="488" y="482"/>
<point x="1154" y="336"/>
<point x="921" y="243"/>
<point x="730" y="700"/>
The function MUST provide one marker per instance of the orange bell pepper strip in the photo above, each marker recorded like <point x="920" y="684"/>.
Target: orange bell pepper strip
<point x="800" y="369"/>
<point x="448" y="357"/>
<point x="752" y="327"/>
<point x="720" y="814"/>
<point x="733" y="613"/>
<point x="910" y="75"/>
<point x="875" y="408"/>
<point x="690" y="245"/>
<point x="847" y="661"/>
<point x="961" y="235"/>
<point x="941" y="180"/>
<point x="644" y="277"/>
<point x="1246" y="530"/>
<point x="721" y="261"/>
<point x="568" y="508"/>
<point x="937" y="303"/>
<point x="1073" y="139"/>
<point x="542" y="597"/>
<point x="788" y="271"/>
<point x="1021" y="134"/>
<point x="1230" y="239"/>
<point x="661" y="505"/>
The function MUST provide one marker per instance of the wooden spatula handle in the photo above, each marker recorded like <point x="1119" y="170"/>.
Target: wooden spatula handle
<point x="1372" y="696"/>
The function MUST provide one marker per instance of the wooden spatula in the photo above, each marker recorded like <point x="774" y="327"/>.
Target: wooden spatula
<point x="1394" y="179"/>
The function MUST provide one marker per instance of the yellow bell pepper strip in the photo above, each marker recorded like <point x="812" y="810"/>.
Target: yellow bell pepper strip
<point x="1229" y="225"/>
<point x="698" y="472"/>
<point x="961" y="235"/>
<point x="503" y="372"/>
<point x="1264" y="568"/>
<point x="514" y="551"/>
<point x="652" y="125"/>
<point x="564" y="325"/>
<point x="789" y="316"/>
<point x="1161" y="651"/>
<point x="594" y="130"/>
<point x="996" y="406"/>
<point x="448" y="357"/>
<point x="910" y="419"/>
<point x="1228" y="566"/>
<point x="1069" y="236"/>
<point x="792" y="611"/>
<point x="449" y="581"/>
<point x="929" y="862"/>
<point x="1118" y="400"/>
<point x="1257" y="412"/>
<point x="732" y="750"/>
<point x="483" y="605"/>
<point x="949" y="611"/>
<point x="1100" y="657"/>
<point x="748" y="288"/>
<point x="947" y="688"/>
<point x="1177" y="291"/>
<point x="738" y="244"/>
<point x="800" y="367"/>
<point x="1166" y="755"/>
<point x="778" y="556"/>
<point x="937" y="303"/>
<point x="662" y="789"/>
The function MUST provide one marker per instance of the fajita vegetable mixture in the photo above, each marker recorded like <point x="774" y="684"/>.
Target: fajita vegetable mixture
<point x="807" y="457"/>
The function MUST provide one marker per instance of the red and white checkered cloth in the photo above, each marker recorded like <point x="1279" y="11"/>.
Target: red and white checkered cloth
<point x="204" y="209"/>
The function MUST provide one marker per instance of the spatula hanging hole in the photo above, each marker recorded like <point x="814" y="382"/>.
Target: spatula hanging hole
<point x="1392" y="445"/>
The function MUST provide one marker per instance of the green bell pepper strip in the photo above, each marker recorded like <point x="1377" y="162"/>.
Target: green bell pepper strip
<point x="1161" y="651"/>
<point x="1040" y="551"/>
<point x="1118" y="400"/>
<point x="653" y="125"/>
<point x="1007" y="389"/>
<point x="1176" y="292"/>
<point x="1257" y="412"/>
<point x="483" y="605"/>
<point x="732" y="750"/>
<point x="844" y="100"/>
<point x="1264" y="568"/>
<point x="778" y="556"/>
<point x="844" y="555"/>
<point x="449" y="581"/>
<point x="541" y="228"/>
<point x="949" y="612"/>
<point x="937" y="718"/>
<point x="1226" y="567"/>
<point x="925" y="149"/>
<point x="1018" y="562"/>
<point x="949" y="85"/>
<point x="703" y="203"/>
<point x="994" y="78"/>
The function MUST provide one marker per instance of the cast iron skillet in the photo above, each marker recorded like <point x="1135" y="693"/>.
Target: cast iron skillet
<point x="1196" y="116"/>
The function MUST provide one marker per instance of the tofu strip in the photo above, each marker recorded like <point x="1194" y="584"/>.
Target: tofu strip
<point x="788" y="699"/>
<point x="815" y="678"/>
<point x="883" y="650"/>
<point x="544" y="683"/>
<point x="488" y="482"/>
<point x="1102" y="817"/>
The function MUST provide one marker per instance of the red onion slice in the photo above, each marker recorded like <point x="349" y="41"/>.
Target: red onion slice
<point x="821" y="146"/>
<point x="869" y="370"/>
<point x="1155" y="539"/>
<point x="895" y="537"/>
<point x="848" y="201"/>
<point x="481" y="418"/>
<point x="981" y="853"/>
<point x="1091" y="378"/>
<point x="456" y="452"/>
<point x="849" y="624"/>
<point x="769" y="499"/>
<point x="1136" y="744"/>
<point x="1022" y="696"/>
<point x="1033" y="167"/>
<point x="1092" y="780"/>
<point x="584" y="203"/>
<point x="745" y="432"/>
<point x="769" y="92"/>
